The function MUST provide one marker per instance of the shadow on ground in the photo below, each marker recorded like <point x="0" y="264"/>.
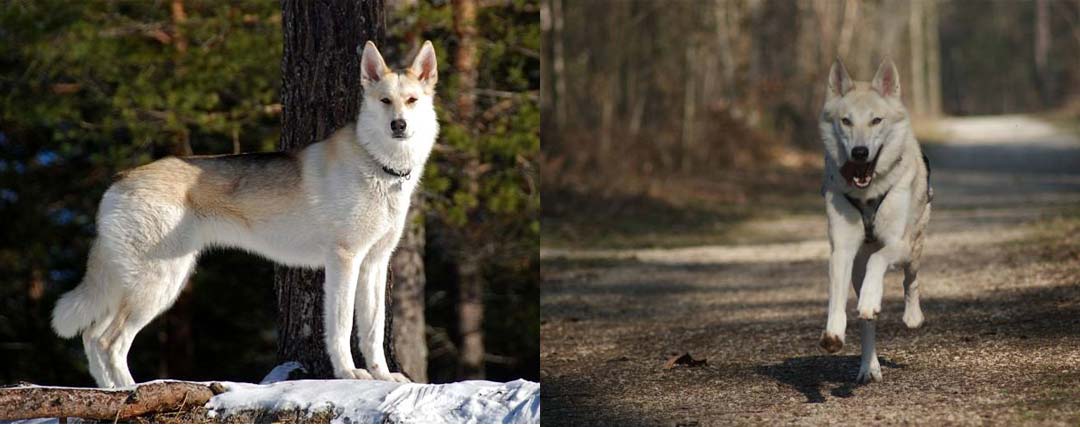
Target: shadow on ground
<point x="810" y="374"/>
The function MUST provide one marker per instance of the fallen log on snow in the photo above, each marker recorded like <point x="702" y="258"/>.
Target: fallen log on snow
<point x="25" y="402"/>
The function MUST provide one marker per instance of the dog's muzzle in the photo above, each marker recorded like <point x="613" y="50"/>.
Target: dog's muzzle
<point x="859" y="174"/>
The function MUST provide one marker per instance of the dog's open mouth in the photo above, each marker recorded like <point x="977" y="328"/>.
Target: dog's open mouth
<point x="859" y="174"/>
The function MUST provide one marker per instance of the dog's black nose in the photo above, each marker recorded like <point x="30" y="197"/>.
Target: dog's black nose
<point x="398" y="126"/>
<point x="860" y="153"/>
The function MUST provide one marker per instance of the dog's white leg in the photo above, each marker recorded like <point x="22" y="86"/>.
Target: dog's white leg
<point x="95" y="353"/>
<point x="869" y="367"/>
<point x="371" y="308"/>
<point x="845" y="237"/>
<point x="342" y="272"/>
<point x="110" y="342"/>
<point x="161" y="281"/>
<point x="913" y="315"/>
<point x="839" y="271"/>
<point x="371" y="318"/>
<point x="119" y="351"/>
<point x="872" y="286"/>
<point x="136" y="321"/>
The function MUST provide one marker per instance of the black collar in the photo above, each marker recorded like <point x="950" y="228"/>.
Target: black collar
<point x="397" y="173"/>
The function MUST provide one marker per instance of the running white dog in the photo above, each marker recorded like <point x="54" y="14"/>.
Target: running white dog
<point x="339" y="204"/>
<point x="877" y="197"/>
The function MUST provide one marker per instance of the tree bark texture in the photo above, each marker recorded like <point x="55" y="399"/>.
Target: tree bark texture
<point x="918" y="57"/>
<point x="933" y="59"/>
<point x="470" y="317"/>
<point x="465" y="57"/>
<point x="320" y="93"/>
<point x="19" y="403"/>
<point x="407" y="268"/>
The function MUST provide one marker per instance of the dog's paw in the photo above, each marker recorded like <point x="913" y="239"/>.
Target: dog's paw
<point x="394" y="377"/>
<point x="869" y="312"/>
<point x="831" y="343"/>
<point x="400" y="377"/>
<point x="913" y="318"/>
<point x="354" y="374"/>
<point x="868" y="374"/>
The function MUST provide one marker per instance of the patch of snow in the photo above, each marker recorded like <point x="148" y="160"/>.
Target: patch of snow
<point x="281" y="372"/>
<point x="382" y="402"/>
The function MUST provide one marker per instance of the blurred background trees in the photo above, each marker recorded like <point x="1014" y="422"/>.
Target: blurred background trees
<point x="88" y="89"/>
<point x="639" y="91"/>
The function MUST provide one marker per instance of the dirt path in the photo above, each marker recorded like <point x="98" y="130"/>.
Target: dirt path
<point x="1001" y="283"/>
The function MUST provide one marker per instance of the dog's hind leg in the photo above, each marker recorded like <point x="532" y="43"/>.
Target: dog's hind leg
<point x="869" y="367"/>
<point x="913" y="315"/>
<point x="109" y="341"/>
<point x="162" y="281"/>
<point x="96" y="352"/>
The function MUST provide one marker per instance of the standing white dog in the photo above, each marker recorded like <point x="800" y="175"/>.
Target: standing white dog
<point x="877" y="197"/>
<point x="339" y="204"/>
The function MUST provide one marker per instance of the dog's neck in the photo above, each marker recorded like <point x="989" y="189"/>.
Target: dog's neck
<point x="396" y="159"/>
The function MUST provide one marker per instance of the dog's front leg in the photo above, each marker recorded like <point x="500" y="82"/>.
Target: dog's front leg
<point x="342" y="271"/>
<point x="371" y="309"/>
<point x="872" y="286"/>
<point x="895" y="249"/>
<point x="845" y="236"/>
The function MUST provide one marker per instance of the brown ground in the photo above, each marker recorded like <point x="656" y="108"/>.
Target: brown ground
<point x="1001" y="293"/>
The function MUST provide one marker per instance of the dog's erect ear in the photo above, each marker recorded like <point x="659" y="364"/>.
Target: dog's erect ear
<point x="839" y="80"/>
<point x="424" y="66"/>
<point x="887" y="80"/>
<point x="372" y="66"/>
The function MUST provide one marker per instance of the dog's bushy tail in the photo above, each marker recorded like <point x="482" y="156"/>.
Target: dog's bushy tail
<point x="81" y="307"/>
<point x="78" y="309"/>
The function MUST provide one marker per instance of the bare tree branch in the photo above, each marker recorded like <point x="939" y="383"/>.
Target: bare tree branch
<point x="19" y="403"/>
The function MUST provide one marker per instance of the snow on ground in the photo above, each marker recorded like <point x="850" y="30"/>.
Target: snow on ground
<point x="281" y="372"/>
<point x="381" y="402"/>
<point x="43" y="421"/>
<point x="378" y="402"/>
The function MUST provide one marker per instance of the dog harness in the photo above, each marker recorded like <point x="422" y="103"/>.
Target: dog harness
<point x="868" y="208"/>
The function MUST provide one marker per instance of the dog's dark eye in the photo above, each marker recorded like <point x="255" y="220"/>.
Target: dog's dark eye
<point x="411" y="100"/>
<point x="385" y="100"/>
<point x="845" y="121"/>
<point x="875" y="121"/>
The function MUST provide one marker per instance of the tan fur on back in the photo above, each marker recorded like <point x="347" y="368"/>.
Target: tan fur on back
<point x="244" y="188"/>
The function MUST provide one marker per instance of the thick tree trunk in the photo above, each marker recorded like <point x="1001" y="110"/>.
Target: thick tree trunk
<point x="918" y="57"/>
<point x="470" y="317"/>
<point x="465" y="57"/>
<point x="1042" y="51"/>
<point x="558" y="63"/>
<point x="933" y="59"/>
<point x="407" y="267"/>
<point x="470" y="282"/>
<point x="320" y="93"/>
